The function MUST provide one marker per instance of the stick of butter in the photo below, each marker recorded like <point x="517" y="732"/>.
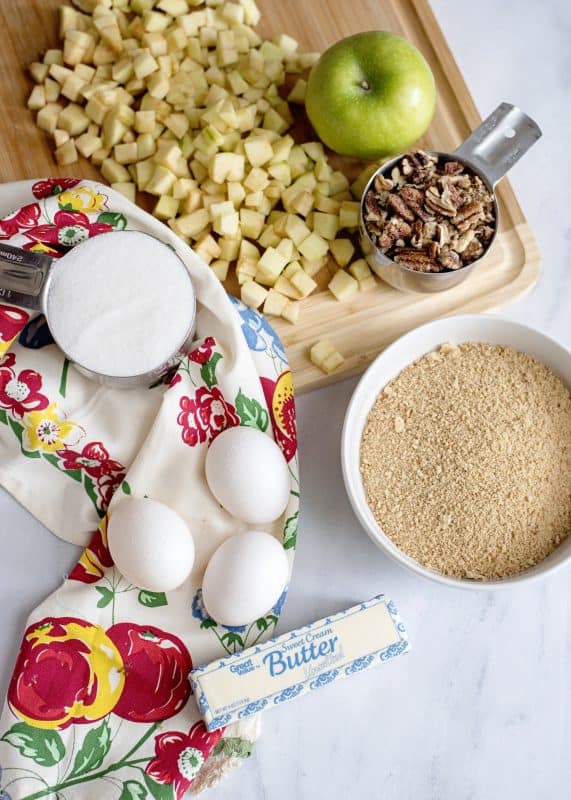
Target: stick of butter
<point x="298" y="662"/>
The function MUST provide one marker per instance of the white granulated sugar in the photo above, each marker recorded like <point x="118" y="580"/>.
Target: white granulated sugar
<point x="120" y="303"/>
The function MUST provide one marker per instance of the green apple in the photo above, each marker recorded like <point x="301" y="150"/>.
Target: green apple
<point x="370" y="95"/>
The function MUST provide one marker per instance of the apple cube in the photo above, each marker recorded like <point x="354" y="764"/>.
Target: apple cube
<point x="193" y="224"/>
<point x="220" y="268"/>
<point x="125" y="153"/>
<point x="292" y="269"/>
<point x="252" y="294"/>
<point x="146" y="146"/>
<point x="296" y="229"/>
<point x="272" y="262"/>
<point x="229" y="249"/>
<point x="227" y="224"/>
<point x="342" y="251"/>
<point x="342" y="285"/>
<point x="325" y="356"/>
<point x="251" y="223"/>
<point x="291" y="311"/>
<point x="367" y="283"/>
<point x="66" y="153"/>
<point x="246" y="270"/>
<point x="314" y="150"/>
<point x="166" y="207"/>
<point x="87" y="144"/>
<point x="114" y="172"/>
<point x="256" y="180"/>
<point x="62" y="136"/>
<point x="284" y="286"/>
<point x="360" y="269"/>
<point x="326" y="204"/>
<point x="326" y="225"/>
<point x="73" y="119"/>
<point x="258" y="150"/>
<point x="349" y="214"/>
<point x="274" y="303"/>
<point x="248" y="250"/>
<point x="126" y="188"/>
<point x="269" y="238"/>
<point x="303" y="203"/>
<point x="287" y="248"/>
<point x="313" y="247"/>
<point x="236" y="193"/>
<point x="297" y="94"/>
<point x="226" y="167"/>
<point x="301" y="281"/>
<point x="313" y="267"/>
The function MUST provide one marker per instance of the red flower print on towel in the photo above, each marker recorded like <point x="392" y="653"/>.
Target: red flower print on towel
<point x="68" y="670"/>
<point x="69" y="228"/>
<point x="205" y="415"/>
<point x="201" y="354"/>
<point x="21" y="393"/>
<point x="179" y="756"/>
<point x="280" y="400"/>
<point x="53" y="186"/>
<point x="95" y="558"/>
<point x="12" y="321"/>
<point x="157" y="664"/>
<point x="26" y="217"/>
<point x="93" y="459"/>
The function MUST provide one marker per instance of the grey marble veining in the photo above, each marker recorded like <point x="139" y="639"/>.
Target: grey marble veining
<point x="480" y="709"/>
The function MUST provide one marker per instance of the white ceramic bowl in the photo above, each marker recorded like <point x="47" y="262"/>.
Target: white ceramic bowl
<point x="411" y="346"/>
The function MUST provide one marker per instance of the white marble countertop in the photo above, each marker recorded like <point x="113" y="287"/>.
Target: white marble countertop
<point x="481" y="709"/>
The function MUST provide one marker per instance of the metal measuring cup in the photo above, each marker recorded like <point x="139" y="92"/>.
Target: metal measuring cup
<point x="489" y="152"/>
<point x="25" y="279"/>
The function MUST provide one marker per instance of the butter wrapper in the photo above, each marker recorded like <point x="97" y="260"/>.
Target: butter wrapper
<point x="298" y="662"/>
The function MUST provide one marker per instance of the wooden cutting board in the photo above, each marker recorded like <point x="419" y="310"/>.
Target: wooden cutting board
<point x="366" y="324"/>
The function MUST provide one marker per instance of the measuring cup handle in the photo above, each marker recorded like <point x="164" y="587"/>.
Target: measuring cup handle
<point x="501" y="140"/>
<point x="23" y="276"/>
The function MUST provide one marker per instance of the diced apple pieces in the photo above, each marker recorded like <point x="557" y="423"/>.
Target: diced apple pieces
<point x="325" y="356"/>
<point x="326" y="225"/>
<point x="252" y="294"/>
<point x="342" y="285"/>
<point x="301" y="281"/>
<point x="291" y="311"/>
<point x="66" y="153"/>
<point x="126" y="188"/>
<point x="297" y="94"/>
<point x="275" y="303"/>
<point x="313" y="247"/>
<point x="182" y="99"/>
<point x="349" y="214"/>
<point x="258" y="150"/>
<point x="220" y="268"/>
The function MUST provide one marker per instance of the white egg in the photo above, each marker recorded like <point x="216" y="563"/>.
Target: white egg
<point x="248" y="475"/>
<point x="244" y="578"/>
<point x="150" y="544"/>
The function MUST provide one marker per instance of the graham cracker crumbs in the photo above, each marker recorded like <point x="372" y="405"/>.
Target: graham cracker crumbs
<point x="466" y="461"/>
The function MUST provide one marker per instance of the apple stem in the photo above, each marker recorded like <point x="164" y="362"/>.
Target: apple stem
<point x="365" y="86"/>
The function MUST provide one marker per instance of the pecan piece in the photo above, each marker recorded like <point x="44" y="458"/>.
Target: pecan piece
<point x="417" y="260"/>
<point x="397" y="204"/>
<point x="434" y="201"/>
<point x="382" y="184"/>
<point x="449" y="258"/>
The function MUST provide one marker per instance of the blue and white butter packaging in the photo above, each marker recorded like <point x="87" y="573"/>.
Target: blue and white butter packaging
<point x="298" y="662"/>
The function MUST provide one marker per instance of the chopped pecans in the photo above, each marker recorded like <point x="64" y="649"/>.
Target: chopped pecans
<point x="431" y="215"/>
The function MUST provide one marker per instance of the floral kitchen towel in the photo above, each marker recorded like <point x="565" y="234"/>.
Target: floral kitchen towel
<point x="99" y="705"/>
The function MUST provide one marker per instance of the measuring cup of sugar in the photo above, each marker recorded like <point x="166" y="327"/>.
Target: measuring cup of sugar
<point x="119" y="305"/>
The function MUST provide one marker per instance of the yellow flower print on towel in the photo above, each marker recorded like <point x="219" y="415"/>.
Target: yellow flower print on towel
<point x="49" y="431"/>
<point x="82" y="198"/>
